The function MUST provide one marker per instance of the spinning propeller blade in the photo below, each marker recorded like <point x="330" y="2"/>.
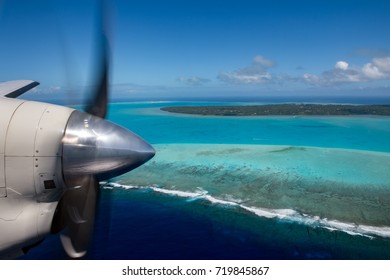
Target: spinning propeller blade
<point x="99" y="98"/>
<point x="80" y="204"/>
<point x="94" y="149"/>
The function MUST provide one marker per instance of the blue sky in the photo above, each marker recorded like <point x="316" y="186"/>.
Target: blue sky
<point x="202" y="48"/>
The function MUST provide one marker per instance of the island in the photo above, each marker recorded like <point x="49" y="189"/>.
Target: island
<point x="283" y="110"/>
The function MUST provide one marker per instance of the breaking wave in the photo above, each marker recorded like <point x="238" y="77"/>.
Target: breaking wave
<point x="288" y="215"/>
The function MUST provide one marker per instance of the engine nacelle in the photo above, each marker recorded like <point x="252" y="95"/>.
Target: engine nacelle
<point x="30" y="168"/>
<point x="46" y="150"/>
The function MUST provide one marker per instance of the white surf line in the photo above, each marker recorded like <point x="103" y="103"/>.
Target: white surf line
<point x="283" y="214"/>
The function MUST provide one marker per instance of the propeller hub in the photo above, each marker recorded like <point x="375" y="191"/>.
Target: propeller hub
<point x="94" y="146"/>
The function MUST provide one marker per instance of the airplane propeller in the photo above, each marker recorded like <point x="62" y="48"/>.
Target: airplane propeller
<point x="97" y="105"/>
<point x="94" y="149"/>
<point x="80" y="204"/>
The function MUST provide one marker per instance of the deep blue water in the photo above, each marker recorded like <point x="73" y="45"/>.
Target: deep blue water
<point x="145" y="225"/>
<point x="141" y="224"/>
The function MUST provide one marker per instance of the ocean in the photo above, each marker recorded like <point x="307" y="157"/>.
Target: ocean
<point x="245" y="188"/>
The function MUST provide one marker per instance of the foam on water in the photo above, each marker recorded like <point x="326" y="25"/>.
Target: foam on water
<point x="288" y="215"/>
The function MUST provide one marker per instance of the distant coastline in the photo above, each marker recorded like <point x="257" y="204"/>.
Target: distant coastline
<point x="282" y="110"/>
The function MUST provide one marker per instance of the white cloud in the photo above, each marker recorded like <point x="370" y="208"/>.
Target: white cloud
<point x="193" y="81"/>
<point x="371" y="71"/>
<point x="342" y="65"/>
<point x="311" y="79"/>
<point x="262" y="61"/>
<point x="341" y="73"/>
<point x="337" y="76"/>
<point x="239" y="78"/>
<point x="377" y="69"/>
<point x="382" y="63"/>
<point x="255" y="73"/>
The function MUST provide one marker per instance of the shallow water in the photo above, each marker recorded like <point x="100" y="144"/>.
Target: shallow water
<point x="302" y="184"/>
<point x="350" y="132"/>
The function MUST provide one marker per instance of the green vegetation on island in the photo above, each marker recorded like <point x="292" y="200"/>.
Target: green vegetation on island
<point x="283" y="110"/>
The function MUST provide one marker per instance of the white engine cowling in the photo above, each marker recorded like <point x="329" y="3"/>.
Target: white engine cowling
<point x="30" y="168"/>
